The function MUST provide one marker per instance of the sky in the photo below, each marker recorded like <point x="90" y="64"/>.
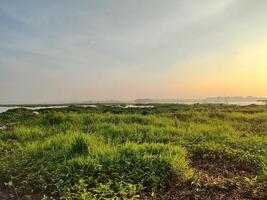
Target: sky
<point x="55" y="51"/>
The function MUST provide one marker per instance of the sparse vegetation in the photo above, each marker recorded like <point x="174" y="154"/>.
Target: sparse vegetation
<point x="160" y="152"/>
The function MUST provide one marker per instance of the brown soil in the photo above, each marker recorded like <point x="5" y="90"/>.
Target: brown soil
<point x="211" y="185"/>
<point x="221" y="168"/>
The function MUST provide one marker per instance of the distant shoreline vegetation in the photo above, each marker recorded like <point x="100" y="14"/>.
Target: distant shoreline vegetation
<point x="236" y="100"/>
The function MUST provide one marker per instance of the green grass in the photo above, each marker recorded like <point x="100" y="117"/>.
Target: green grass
<point x="117" y="153"/>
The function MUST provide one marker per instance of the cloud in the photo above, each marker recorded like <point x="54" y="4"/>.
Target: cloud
<point x="76" y="45"/>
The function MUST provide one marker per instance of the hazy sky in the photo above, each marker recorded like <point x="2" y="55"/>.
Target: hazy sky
<point x="66" y="50"/>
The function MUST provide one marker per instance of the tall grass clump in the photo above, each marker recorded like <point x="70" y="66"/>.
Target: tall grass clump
<point x="78" y="147"/>
<point x="131" y="171"/>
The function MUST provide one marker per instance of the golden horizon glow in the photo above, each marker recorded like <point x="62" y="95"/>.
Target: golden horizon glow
<point x="240" y="72"/>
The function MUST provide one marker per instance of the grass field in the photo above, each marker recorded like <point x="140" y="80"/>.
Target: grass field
<point x="109" y="152"/>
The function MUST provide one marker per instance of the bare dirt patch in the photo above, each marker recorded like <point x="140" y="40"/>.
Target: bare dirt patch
<point x="219" y="179"/>
<point x="223" y="168"/>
